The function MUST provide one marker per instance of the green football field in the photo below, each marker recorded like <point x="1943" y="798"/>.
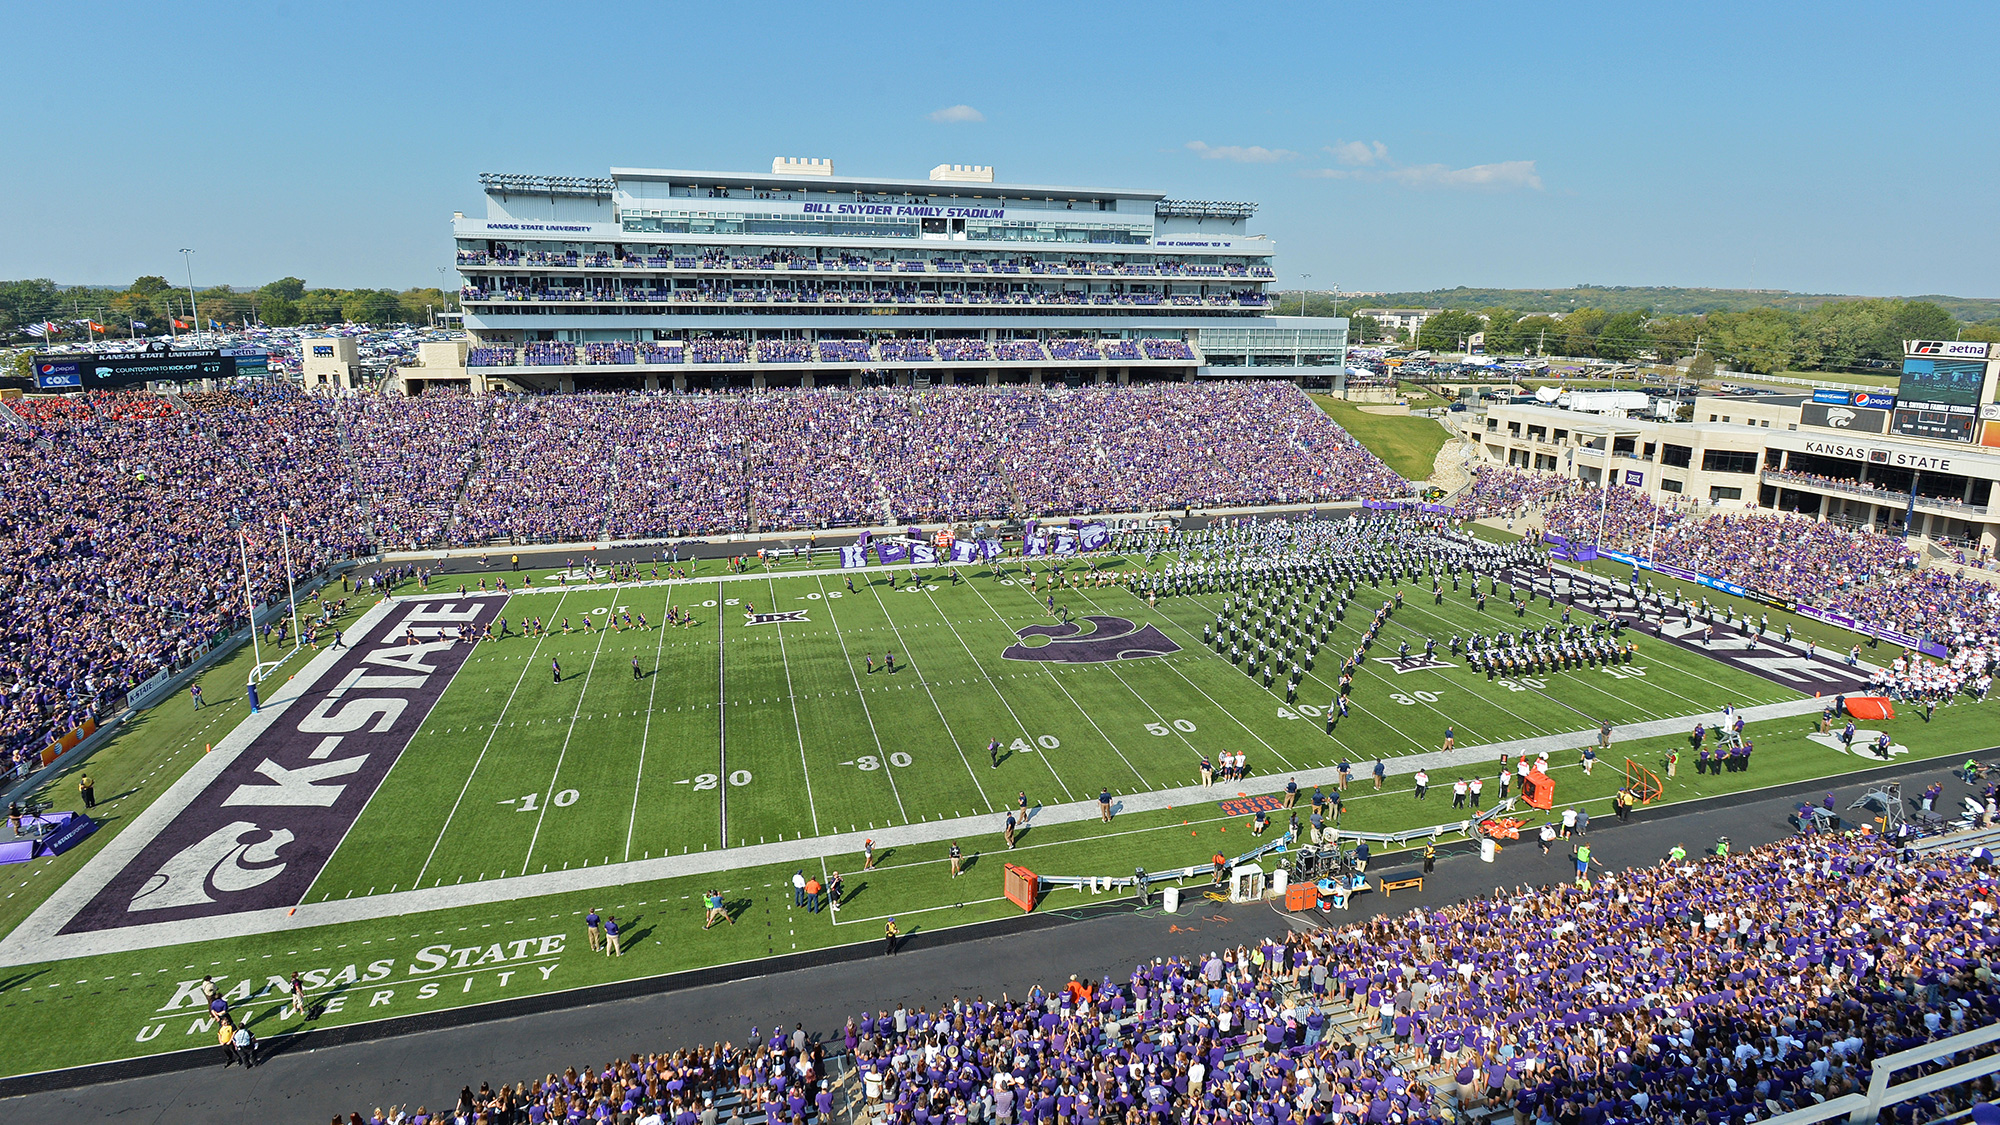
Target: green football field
<point x="737" y="734"/>
<point x="777" y="732"/>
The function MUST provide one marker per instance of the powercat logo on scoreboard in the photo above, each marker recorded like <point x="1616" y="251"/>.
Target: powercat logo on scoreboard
<point x="262" y="830"/>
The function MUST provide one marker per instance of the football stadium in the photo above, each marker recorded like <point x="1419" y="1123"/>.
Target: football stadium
<point x="860" y="650"/>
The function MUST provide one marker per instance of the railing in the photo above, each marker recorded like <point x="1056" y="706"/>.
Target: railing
<point x="483" y="258"/>
<point x="1881" y="1093"/>
<point x="1878" y="495"/>
<point x="878" y="297"/>
<point x="831" y="353"/>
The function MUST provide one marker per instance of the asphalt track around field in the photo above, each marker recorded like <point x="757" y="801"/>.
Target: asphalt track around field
<point x="419" y="1061"/>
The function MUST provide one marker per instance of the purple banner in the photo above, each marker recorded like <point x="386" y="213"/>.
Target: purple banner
<point x="890" y="552"/>
<point x="1035" y="545"/>
<point x="923" y="554"/>
<point x="964" y="550"/>
<point x="989" y="548"/>
<point x="856" y="555"/>
<point x="1093" y="536"/>
<point x="263" y="829"/>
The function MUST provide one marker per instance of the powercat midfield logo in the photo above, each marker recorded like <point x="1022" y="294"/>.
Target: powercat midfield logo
<point x="263" y="827"/>
<point x="774" y="618"/>
<point x="1110" y="638"/>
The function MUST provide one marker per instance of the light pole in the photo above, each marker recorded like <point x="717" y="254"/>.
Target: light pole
<point x="1303" y="278"/>
<point x="187" y="258"/>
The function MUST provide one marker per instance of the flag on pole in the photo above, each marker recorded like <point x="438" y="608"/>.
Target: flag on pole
<point x="180" y="324"/>
<point x="36" y="329"/>
<point x="137" y="325"/>
<point x="96" y="327"/>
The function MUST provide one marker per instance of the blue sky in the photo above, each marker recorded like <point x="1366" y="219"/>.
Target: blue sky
<point x="1824" y="148"/>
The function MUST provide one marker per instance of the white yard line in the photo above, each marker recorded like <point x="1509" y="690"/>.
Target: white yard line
<point x="1081" y="710"/>
<point x="1000" y="695"/>
<point x="476" y="762"/>
<point x="881" y="751"/>
<point x="721" y="717"/>
<point x="548" y="797"/>
<point x="805" y="771"/>
<point x="652" y="696"/>
<point x="969" y="772"/>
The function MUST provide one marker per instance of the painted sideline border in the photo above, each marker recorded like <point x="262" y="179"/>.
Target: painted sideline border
<point x="1046" y="916"/>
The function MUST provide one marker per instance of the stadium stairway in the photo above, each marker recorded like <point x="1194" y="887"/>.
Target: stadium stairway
<point x="1346" y="1023"/>
<point x="1448" y="469"/>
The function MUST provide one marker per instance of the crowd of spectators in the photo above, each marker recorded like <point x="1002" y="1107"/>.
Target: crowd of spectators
<point x="1723" y="988"/>
<point x="845" y="262"/>
<point x="719" y="349"/>
<point x="952" y="349"/>
<point x="119" y="555"/>
<point x="865" y="292"/>
<point x="963" y="349"/>
<point x="1070" y="350"/>
<point x="121" y="511"/>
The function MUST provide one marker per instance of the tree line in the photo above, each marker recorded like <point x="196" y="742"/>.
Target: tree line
<point x="153" y="303"/>
<point x="1848" y="335"/>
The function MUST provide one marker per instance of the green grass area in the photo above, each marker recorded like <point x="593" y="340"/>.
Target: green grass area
<point x="750" y="733"/>
<point x="755" y="733"/>
<point x="1407" y="444"/>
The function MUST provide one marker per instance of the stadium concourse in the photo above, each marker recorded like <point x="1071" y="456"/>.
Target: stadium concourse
<point x="123" y="509"/>
<point x="1705" y="989"/>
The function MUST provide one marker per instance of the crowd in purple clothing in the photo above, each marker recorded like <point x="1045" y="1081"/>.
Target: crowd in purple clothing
<point x="869" y="292"/>
<point x="1723" y="989"/>
<point x="121" y="555"/>
<point x="848" y="263"/>
<point x="118" y="548"/>
<point x="946" y="349"/>
<point x="1870" y="576"/>
<point x="1690" y="992"/>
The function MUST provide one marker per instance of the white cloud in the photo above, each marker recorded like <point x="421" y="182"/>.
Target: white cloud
<point x="957" y="115"/>
<point x="1507" y="174"/>
<point x="1369" y="160"/>
<point x="1241" y="154"/>
<point x="1360" y="152"/>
